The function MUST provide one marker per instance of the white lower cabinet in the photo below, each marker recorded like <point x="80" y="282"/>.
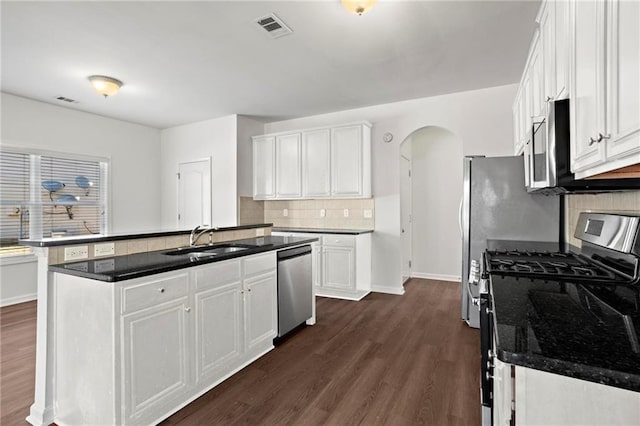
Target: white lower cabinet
<point x="524" y="396"/>
<point x="136" y="351"/>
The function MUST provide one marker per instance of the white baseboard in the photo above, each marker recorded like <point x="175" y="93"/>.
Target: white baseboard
<point x="18" y="299"/>
<point x="438" y="277"/>
<point x="388" y="290"/>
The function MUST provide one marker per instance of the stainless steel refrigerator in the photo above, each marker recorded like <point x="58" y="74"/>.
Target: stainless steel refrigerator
<point x="496" y="206"/>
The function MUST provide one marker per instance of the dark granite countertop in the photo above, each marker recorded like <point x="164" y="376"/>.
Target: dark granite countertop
<point x="121" y="268"/>
<point x="322" y="230"/>
<point x="584" y="331"/>
<point x="97" y="238"/>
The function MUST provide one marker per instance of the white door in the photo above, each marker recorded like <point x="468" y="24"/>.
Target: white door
<point x="194" y="193"/>
<point x="405" y="217"/>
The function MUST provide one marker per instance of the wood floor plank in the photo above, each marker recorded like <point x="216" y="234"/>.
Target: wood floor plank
<point x="386" y="360"/>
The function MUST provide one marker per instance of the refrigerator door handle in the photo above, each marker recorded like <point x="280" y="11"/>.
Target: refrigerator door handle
<point x="460" y="218"/>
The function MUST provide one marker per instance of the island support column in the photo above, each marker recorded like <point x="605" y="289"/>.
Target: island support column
<point x="42" y="409"/>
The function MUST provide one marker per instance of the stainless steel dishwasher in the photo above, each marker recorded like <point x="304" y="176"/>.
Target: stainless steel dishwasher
<point x="295" y="292"/>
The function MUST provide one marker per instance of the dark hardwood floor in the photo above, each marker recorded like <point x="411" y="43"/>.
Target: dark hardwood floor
<point x="397" y="360"/>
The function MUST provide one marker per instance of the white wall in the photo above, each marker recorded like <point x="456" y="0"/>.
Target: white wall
<point x="481" y="119"/>
<point x="132" y="148"/>
<point x="247" y="127"/>
<point x="216" y="138"/>
<point x="436" y="165"/>
<point x="18" y="279"/>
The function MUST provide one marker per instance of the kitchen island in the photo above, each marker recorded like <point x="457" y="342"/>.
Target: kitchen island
<point x="82" y="376"/>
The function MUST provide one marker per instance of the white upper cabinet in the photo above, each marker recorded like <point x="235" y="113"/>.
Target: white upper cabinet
<point x="605" y="86"/>
<point x="623" y="85"/>
<point x="264" y="182"/>
<point x="589" y="52"/>
<point x="288" y="159"/>
<point x="587" y="101"/>
<point x="346" y="161"/>
<point x="315" y="163"/>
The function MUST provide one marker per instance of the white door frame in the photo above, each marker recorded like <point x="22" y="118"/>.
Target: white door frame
<point x="200" y="160"/>
<point x="406" y="228"/>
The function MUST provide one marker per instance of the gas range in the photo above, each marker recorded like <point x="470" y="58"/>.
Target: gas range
<point x="574" y="312"/>
<point x="612" y="257"/>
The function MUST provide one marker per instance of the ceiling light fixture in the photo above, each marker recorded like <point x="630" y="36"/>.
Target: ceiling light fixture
<point x="106" y="86"/>
<point x="359" y="6"/>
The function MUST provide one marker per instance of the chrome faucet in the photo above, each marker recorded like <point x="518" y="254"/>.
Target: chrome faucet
<point x="197" y="232"/>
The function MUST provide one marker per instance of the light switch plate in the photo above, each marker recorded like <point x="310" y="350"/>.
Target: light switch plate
<point x="260" y="232"/>
<point x="367" y="213"/>
<point x="323" y="212"/>
<point x="346" y="212"/>
<point x="285" y="212"/>
<point x="76" y="252"/>
<point x="105" y="249"/>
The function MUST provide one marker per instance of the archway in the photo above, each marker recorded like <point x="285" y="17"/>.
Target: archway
<point x="431" y="189"/>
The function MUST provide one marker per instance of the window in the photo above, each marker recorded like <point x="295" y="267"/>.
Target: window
<point x="44" y="196"/>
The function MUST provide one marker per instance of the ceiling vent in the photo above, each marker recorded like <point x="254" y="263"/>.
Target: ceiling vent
<point x="69" y="100"/>
<point x="273" y="26"/>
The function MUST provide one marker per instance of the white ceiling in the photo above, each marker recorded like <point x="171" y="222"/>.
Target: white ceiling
<point x="183" y="62"/>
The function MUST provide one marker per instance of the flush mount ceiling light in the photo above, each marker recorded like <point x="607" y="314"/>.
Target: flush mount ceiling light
<point x="359" y="6"/>
<point x="106" y="86"/>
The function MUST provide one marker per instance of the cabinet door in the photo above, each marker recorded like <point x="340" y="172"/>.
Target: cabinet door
<point x="587" y="92"/>
<point x="288" y="159"/>
<point x="261" y="310"/>
<point x="338" y="268"/>
<point x="548" y="50"/>
<point x="537" y="79"/>
<point x="155" y="348"/>
<point x="316" y="163"/>
<point x="346" y="161"/>
<point x="562" y="51"/>
<point x="623" y="89"/>
<point x="517" y="125"/>
<point x="263" y="168"/>
<point x="218" y="332"/>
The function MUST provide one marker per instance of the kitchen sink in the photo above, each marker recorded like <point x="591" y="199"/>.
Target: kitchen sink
<point x="208" y="250"/>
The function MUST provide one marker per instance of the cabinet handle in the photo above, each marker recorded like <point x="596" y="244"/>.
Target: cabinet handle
<point x="549" y="98"/>
<point x="161" y="290"/>
<point x="601" y="136"/>
<point x="187" y="309"/>
<point x="593" y="140"/>
<point x="249" y="290"/>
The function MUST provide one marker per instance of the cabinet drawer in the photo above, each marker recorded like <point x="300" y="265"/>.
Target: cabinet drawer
<point x="339" y="240"/>
<point x="259" y="263"/>
<point x="153" y="293"/>
<point x="213" y="275"/>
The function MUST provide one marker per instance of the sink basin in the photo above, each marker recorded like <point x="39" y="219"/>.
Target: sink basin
<point x="208" y="250"/>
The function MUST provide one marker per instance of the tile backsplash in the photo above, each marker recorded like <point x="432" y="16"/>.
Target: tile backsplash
<point x="308" y="213"/>
<point x="613" y="202"/>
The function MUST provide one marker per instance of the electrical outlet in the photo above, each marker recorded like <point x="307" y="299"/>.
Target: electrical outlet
<point x="76" y="252"/>
<point x="346" y="212"/>
<point x="285" y="212"/>
<point x="260" y="232"/>
<point x="367" y="213"/>
<point x="106" y="249"/>
<point x="323" y="212"/>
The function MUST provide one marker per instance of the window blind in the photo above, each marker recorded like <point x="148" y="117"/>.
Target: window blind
<point x="76" y="208"/>
<point x="14" y="196"/>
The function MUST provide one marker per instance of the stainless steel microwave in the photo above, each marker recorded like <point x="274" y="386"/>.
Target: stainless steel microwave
<point x="547" y="157"/>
